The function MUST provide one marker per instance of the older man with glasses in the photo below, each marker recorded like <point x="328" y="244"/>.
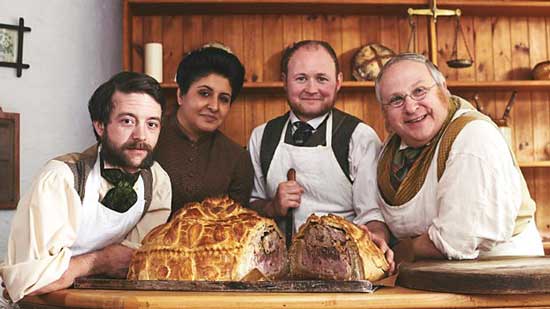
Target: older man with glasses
<point x="449" y="185"/>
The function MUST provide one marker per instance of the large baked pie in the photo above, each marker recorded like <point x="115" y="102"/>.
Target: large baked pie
<point x="214" y="240"/>
<point x="332" y="248"/>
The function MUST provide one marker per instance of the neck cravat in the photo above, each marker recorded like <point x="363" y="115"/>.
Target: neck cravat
<point x="401" y="164"/>
<point x="302" y="133"/>
<point x="122" y="196"/>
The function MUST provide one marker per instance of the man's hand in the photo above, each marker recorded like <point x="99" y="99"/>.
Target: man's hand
<point x="289" y="195"/>
<point x="5" y="293"/>
<point x="112" y="260"/>
<point x="77" y="265"/>
<point x="379" y="234"/>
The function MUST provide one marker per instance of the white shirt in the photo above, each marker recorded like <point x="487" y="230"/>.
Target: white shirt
<point x="46" y="222"/>
<point x="471" y="211"/>
<point x="364" y="147"/>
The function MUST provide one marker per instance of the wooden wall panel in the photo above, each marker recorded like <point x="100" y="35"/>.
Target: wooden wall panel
<point x="193" y="33"/>
<point x="273" y="47"/>
<point x="173" y="38"/>
<point x="137" y="44"/>
<point x="540" y="117"/>
<point x="403" y="34"/>
<point x="446" y="39"/>
<point x="542" y="197"/>
<point x="152" y="29"/>
<point x="312" y="27"/>
<point x="422" y="35"/>
<point x="233" y="36"/>
<point x="389" y="29"/>
<point x="351" y="40"/>
<point x="483" y="57"/>
<point x="369" y="26"/>
<point x="521" y="114"/>
<point x="292" y="29"/>
<point x="504" y="48"/>
<point x="253" y="55"/>
<point x="539" y="100"/>
<point x="502" y="54"/>
<point x="332" y="33"/>
<point x="466" y="74"/>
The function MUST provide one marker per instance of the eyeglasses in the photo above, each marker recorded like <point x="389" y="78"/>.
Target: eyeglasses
<point x="418" y="93"/>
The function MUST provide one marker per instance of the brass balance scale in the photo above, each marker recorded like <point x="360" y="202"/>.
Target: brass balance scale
<point x="434" y="13"/>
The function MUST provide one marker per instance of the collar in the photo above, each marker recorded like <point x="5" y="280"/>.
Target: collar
<point x="315" y="122"/>
<point x="173" y="121"/>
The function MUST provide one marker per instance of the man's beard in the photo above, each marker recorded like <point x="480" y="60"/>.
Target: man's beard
<point x="303" y="114"/>
<point x="116" y="157"/>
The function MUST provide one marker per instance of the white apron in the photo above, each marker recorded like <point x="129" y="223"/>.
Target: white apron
<point x="326" y="188"/>
<point x="415" y="217"/>
<point x="100" y="226"/>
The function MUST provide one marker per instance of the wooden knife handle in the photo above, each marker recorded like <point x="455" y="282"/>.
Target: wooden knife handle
<point x="291" y="175"/>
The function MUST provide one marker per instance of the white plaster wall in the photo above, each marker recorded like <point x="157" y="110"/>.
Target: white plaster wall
<point x="74" y="45"/>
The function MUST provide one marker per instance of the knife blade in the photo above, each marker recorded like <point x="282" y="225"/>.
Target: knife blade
<point x="509" y="105"/>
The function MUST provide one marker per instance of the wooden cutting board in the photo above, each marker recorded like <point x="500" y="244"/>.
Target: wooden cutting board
<point x="503" y="275"/>
<point x="296" y="286"/>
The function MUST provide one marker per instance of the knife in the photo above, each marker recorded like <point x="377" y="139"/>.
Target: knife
<point x="289" y="219"/>
<point x="479" y="107"/>
<point x="509" y="105"/>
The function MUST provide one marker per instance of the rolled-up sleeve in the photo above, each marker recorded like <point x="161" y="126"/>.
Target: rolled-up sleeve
<point x="159" y="209"/>
<point x="259" y="189"/>
<point x="43" y="228"/>
<point x="364" y="149"/>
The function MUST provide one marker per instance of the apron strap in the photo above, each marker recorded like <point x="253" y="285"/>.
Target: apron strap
<point x="270" y="140"/>
<point x="147" y="177"/>
<point x="343" y="126"/>
<point x="80" y="164"/>
<point x="342" y="129"/>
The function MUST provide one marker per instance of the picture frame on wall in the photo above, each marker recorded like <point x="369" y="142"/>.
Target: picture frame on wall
<point x="8" y="45"/>
<point x="11" y="46"/>
<point x="9" y="160"/>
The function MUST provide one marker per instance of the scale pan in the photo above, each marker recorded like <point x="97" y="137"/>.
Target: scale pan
<point x="460" y="63"/>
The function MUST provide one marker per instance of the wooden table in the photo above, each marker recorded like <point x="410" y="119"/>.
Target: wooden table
<point x="383" y="298"/>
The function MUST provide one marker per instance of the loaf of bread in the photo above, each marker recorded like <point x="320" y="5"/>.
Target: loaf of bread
<point x="214" y="240"/>
<point x="332" y="248"/>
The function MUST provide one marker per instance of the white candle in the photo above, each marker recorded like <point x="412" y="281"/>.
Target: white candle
<point x="153" y="60"/>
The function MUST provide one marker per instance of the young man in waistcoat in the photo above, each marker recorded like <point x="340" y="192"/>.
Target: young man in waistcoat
<point x="333" y="153"/>
<point x="86" y="213"/>
<point x="449" y="185"/>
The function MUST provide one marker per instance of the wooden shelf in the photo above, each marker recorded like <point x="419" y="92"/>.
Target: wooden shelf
<point x="371" y="7"/>
<point x="505" y="85"/>
<point x="509" y="85"/>
<point x="534" y="164"/>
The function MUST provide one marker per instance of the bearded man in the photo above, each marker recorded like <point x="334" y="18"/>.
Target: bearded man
<point x="86" y="213"/>
<point x="333" y="153"/>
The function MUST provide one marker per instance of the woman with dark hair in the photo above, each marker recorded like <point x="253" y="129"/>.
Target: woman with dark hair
<point x="201" y="161"/>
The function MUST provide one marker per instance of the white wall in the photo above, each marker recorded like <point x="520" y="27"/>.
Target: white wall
<point x="74" y="46"/>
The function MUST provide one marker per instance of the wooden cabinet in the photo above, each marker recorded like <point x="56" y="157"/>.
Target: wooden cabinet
<point x="9" y="160"/>
<point x="507" y="38"/>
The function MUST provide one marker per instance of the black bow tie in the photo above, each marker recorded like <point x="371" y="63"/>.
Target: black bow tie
<point x="122" y="196"/>
<point x="302" y="133"/>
